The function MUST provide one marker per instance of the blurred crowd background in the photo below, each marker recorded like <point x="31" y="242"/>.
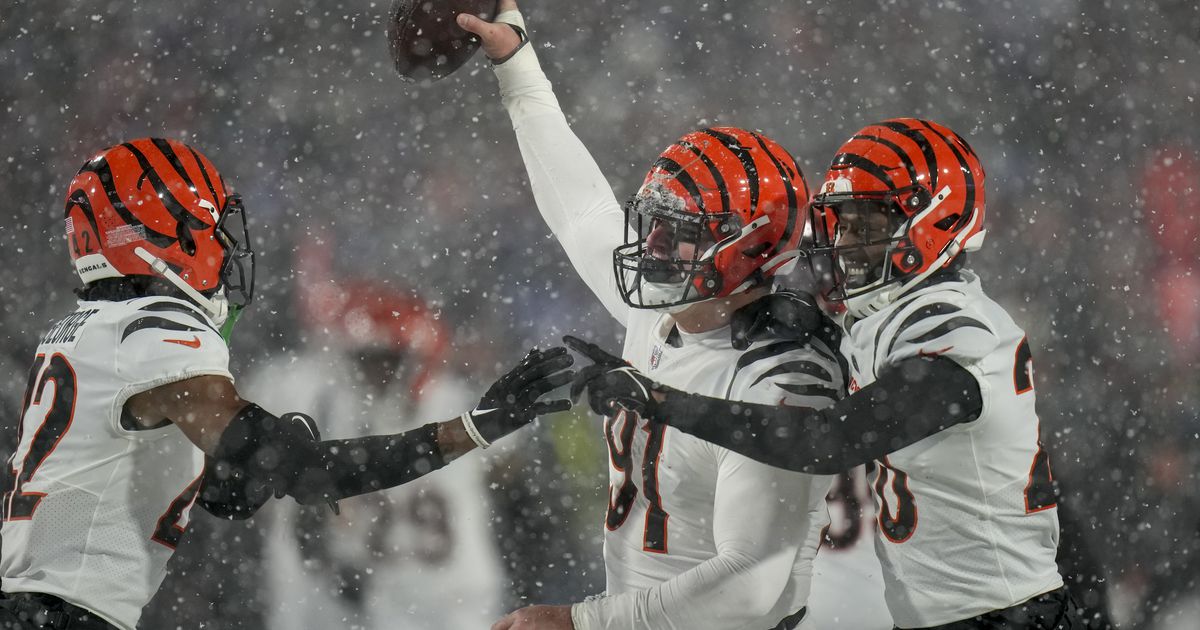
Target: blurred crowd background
<point x="363" y="189"/>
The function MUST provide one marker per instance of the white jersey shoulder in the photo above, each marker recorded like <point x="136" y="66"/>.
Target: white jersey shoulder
<point x="97" y="506"/>
<point x="966" y="516"/>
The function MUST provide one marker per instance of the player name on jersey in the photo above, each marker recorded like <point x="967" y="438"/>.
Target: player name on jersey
<point x="64" y="331"/>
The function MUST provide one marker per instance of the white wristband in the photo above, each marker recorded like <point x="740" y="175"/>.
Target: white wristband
<point x="473" y="431"/>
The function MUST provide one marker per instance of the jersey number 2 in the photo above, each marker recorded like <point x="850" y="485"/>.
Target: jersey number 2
<point x="1039" y="491"/>
<point x="620" y="452"/>
<point x="18" y="504"/>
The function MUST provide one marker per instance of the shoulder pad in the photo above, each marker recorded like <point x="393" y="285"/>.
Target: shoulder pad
<point x="944" y="323"/>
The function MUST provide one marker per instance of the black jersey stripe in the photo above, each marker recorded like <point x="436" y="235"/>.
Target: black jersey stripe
<point x="810" y="390"/>
<point x="766" y="352"/>
<point x="759" y="354"/>
<point x="808" y="368"/>
<point x="821" y="347"/>
<point x="921" y="314"/>
<point x="949" y="326"/>
<point x="154" y="321"/>
<point x="887" y="322"/>
<point x="176" y="307"/>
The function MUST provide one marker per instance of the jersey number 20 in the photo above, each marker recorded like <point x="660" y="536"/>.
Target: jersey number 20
<point x="1039" y="490"/>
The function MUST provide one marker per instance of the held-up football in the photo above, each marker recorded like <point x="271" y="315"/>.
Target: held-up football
<point x="424" y="39"/>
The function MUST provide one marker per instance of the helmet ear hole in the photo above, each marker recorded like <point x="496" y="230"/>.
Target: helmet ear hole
<point x="947" y="223"/>
<point x="756" y="251"/>
<point x="186" y="241"/>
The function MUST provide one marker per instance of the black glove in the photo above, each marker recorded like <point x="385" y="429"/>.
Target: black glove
<point x="512" y="402"/>
<point x="785" y="315"/>
<point x="611" y="381"/>
<point x="229" y="493"/>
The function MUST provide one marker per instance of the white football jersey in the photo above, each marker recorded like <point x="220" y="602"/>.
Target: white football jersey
<point x="424" y="551"/>
<point x="966" y="517"/>
<point x="95" y="508"/>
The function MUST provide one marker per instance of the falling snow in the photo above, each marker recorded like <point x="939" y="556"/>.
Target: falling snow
<point x="1083" y="113"/>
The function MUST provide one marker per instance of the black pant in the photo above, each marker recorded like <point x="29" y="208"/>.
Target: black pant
<point x="38" y="611"/>
<point x="1055" y="610"/>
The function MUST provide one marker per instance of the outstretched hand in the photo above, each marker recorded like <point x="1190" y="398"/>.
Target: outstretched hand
<point x="512" y="401"/>
<point x="500" y="39"/>
<point x="610" y="381"/>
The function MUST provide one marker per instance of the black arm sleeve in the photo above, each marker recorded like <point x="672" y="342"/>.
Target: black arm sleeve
<point x="260" y="455"/>
<point x="908" y="402"/>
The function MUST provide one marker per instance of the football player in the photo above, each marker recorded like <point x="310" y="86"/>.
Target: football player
<point x="131" y="416"/>
<point x="695" y="536"/>
<point x="941" y="391"/>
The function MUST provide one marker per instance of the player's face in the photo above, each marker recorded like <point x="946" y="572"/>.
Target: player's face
<point x="864" y="229"/>
<point x="676" y="240"/>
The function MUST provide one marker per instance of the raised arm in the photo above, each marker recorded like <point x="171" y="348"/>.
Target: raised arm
<point x="571" y="192"/>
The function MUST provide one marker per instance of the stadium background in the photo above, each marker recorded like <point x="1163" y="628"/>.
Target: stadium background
<point x="1084" y="113"/>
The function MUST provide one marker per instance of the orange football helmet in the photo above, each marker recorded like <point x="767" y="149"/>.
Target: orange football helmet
<point x="155" y="207"/>
<point x="902" y="199"/>
<point x="718" y="213"/>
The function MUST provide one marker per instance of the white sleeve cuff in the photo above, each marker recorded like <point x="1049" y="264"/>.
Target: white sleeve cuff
<point x="522" y="71"/>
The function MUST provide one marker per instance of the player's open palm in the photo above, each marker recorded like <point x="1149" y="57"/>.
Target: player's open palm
<point x="537" y="618"/>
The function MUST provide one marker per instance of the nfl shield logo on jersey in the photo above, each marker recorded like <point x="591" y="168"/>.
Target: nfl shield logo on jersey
<point x="655" y="355"/>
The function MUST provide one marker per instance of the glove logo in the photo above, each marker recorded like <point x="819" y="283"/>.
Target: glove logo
<point x="655" y="356"/>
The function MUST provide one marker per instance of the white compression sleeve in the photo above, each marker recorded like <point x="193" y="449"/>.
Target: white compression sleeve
<point x="571" y="192"/>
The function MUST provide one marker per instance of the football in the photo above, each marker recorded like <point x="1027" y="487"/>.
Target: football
<point x="424" y="39"/>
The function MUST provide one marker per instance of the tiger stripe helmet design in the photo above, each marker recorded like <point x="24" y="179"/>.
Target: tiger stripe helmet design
<point x="156" y="207"/>
<point x="922" y="184"/>
<point x="719" y="212"/>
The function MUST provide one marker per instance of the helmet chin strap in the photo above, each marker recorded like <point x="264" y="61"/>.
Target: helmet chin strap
<point x="217" y="307"/>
